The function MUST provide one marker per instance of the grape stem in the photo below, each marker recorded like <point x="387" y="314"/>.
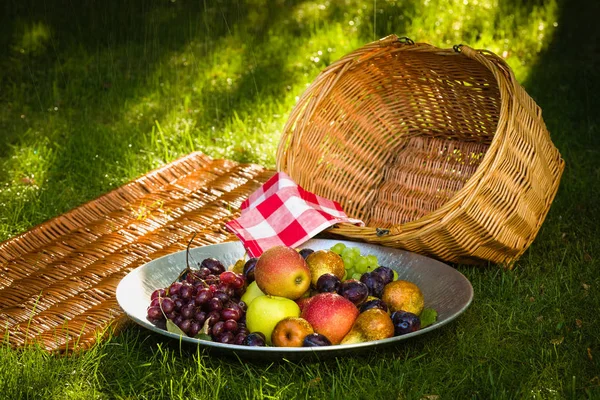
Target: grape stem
<point x="187" y="260"/>
<point x="187" y="268"/>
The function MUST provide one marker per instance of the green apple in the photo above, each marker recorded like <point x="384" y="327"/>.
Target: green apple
<point x="252" y="292"/>
<point x="266" y="311"/>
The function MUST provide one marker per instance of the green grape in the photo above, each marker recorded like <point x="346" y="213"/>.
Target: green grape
<point x="347" y="252"/>
<point x="338" y="248"/>
<point x="349" y="273"/>
<point x="361" y="264"/>
<point x="356" y="276"/>
<point x="348" y="261"/>
<point x="373" y="260"/>
<point x="395" y="275"/>
<point x="356" y="251"/>
<point x="370" y="268"/>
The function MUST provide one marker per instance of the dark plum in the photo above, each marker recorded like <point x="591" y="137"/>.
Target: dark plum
<point x="306" y="252"/>
<point x="315" y="340"/>
<point x="374" y="283"/>
<point x="255" y="339"/>
<point x="248" y="270"/>
<point x="328" y="283"/>
<point x="386" y="274"/>
<point x="354" y="290"/>
<point x="215" y="266"/>
<point x="405" y="322"/>
<point x="377" y="303"/>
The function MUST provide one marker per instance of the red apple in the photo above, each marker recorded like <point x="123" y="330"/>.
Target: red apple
<point x="281" y="271"/>
<point x="331" y="315"/>
<point x="303" y="301"/>
<point x="290" y="332"/>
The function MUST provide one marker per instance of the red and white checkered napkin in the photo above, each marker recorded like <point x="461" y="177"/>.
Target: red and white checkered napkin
<point x="282" y="213"/>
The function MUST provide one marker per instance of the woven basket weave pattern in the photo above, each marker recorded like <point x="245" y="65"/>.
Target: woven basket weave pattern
<point x="444" y="149"/>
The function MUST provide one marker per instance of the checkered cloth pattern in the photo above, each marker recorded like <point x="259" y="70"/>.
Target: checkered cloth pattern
<point x="282" y="213"/>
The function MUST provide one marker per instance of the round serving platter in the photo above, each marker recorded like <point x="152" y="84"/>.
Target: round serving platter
<point x="444" y="288"/>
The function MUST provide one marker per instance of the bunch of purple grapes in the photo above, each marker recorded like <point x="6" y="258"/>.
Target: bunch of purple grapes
<point x="203" y="301"/>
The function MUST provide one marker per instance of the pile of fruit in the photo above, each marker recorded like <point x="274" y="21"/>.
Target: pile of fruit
<point x="290" y="298"/>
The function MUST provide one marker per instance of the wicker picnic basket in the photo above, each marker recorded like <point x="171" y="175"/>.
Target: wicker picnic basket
<point x="439" y="151"/>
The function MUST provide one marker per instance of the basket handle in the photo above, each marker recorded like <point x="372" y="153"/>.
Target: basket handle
<point x="394" y="39"/>
<point x="487" y="58"/>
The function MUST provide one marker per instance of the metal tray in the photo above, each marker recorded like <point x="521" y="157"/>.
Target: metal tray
<point x="444" y="288"/>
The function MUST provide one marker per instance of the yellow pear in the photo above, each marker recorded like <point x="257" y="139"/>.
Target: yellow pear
<point x="373" y="324"/>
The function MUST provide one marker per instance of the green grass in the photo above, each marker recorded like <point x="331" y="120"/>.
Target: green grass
<point x="94" y="94"/>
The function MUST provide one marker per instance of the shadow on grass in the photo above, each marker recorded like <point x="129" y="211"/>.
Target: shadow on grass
<point x="565" y="83"/>
<point x="77" y="71"/>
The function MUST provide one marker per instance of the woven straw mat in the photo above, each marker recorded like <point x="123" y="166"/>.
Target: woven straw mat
<point x="58" y="280"/>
